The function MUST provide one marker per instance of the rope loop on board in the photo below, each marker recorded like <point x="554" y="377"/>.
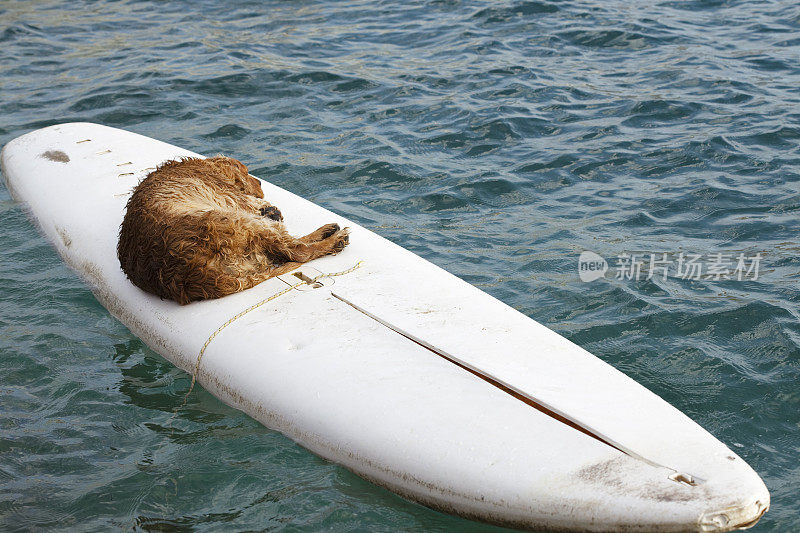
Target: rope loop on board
<point x="234" y="318"/>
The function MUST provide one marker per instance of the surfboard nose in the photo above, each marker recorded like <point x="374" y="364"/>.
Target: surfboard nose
<point x="741" y="517"/>
<point x="729" y="496"/>
<point x="738" y="497"/>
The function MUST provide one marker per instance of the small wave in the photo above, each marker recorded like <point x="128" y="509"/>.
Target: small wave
<point x="230" y="131"/>
<point x="492" y="15"/>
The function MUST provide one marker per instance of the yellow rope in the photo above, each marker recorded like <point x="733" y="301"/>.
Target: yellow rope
<point x="251" y="308"/>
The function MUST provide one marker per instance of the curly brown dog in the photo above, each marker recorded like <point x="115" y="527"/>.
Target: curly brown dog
<point x="200" y="228"/>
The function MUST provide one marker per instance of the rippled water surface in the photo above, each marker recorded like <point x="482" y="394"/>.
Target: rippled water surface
<point x="497" y="139"/>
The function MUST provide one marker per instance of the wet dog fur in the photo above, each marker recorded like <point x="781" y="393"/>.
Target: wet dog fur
<point x="197" y="228"/>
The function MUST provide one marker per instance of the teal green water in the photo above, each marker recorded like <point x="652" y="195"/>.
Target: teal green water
<point x="497" y="139"/>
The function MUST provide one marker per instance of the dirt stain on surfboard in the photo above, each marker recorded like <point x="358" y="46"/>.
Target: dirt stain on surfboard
<point x="55" y="155"/>
<point x="614" y="475"/>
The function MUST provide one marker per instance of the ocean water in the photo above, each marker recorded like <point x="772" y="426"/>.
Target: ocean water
<point x="499" y="140"/>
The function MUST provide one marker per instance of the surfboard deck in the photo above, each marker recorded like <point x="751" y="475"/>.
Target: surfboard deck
<point x="396" y="369"/>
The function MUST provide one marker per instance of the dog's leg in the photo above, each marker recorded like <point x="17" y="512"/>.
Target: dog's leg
<point x="277" y="242"/>
<point x="321" y="233"/>
<point x="248" y="235"/>
<point x="285" y="268"/>
<point x="252" y="248"/>
<point x="222" y="281"/>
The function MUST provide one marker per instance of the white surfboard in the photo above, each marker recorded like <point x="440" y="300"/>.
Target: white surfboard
<point x="401" y="372"/>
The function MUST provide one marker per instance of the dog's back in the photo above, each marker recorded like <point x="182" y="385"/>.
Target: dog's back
<point x="199" y="228"/>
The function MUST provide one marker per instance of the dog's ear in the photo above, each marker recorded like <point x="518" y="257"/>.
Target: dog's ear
<point x="254" y="187"/>
<point x="233" y="172"/>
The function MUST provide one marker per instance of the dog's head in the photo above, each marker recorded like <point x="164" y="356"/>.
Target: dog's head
<point x="234" y="173"/>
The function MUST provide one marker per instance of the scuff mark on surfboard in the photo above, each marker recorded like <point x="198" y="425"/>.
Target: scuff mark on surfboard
<point x="65" y="238"/>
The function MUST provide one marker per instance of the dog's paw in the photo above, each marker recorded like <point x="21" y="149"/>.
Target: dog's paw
<point x="340" y="240"/>
<point x="327" y="230"/>
<point x="272" y="212"/>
